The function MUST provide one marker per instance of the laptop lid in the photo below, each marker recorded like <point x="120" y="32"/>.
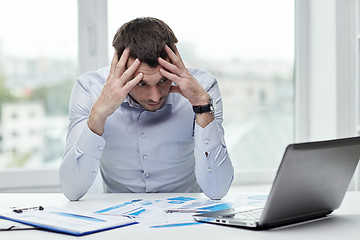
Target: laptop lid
<point x="311" y="182"/>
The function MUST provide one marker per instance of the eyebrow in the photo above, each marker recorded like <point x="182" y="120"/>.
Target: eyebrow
<point x="144" y="81"/>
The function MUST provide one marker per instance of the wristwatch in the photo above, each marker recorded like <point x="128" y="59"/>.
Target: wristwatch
<point x="205" y="108"/>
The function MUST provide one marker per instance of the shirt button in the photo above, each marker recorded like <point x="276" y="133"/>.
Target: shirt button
<point x="94" y="173"/>
<point x="100" y="148"/>
<point x="209" y="169"/>
<point x="206" y="141"/>
<point x="147" y="174"/>
<point x="142" y="135"/>
<point x="145" y="157"/>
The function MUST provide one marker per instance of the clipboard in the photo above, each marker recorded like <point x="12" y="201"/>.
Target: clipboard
<point x="65" y="221"/>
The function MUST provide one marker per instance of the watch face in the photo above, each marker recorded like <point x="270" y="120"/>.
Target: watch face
<point x="212" y="108"/>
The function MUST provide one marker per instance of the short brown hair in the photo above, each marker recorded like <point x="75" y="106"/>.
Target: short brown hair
<point x="146" y="38"/>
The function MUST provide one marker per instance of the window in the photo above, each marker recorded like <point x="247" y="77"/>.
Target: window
<point x="255" y="73"/>
<point x="249" y="47"/>
<point x="38" y="67"/>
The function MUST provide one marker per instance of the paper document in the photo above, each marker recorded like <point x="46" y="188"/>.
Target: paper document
<point x="66" y="221"/>
<point x="171" y="212"/>
<point x="245" y="202"/>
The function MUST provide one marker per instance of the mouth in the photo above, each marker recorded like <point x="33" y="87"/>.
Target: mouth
<point x="155" y="105"/>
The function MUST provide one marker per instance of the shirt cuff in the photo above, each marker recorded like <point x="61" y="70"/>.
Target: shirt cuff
<point x="90" y="143"/>
<point x="208" y="138"/>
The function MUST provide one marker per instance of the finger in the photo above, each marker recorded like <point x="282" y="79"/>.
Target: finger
<point x="174" y="58"/>
<point x="169" y="66"/>
<point x="120" y="66"/>
<point x="171" y="76"/>
<point x="132" y="83"/>
<point x="129" y="73"/>
<point x="114" y="62"/>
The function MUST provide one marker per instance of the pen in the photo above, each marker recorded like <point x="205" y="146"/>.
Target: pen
<point x="186" y="210"/>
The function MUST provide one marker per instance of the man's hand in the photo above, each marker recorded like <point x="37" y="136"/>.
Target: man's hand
<point x="187" y="85"/>
<point x="115" y="90"/>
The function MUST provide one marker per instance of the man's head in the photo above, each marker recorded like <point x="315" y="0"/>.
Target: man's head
<point x="146" y="39"/>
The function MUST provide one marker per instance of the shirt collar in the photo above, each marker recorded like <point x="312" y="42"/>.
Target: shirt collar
<point x="130" y="101"/>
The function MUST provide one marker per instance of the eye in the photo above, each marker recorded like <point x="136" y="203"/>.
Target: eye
<point x="141" y="84"/>
<point x="163" y="80"/>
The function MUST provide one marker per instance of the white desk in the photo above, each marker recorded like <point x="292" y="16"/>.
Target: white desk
<point x="344" y="223"/>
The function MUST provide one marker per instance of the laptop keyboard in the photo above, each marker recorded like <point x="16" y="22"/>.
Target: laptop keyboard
<point x="250" y="215"/>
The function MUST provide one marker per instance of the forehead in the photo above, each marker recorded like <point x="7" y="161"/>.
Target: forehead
<point x="150" y="74"/>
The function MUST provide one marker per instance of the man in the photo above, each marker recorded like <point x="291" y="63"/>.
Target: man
<point x="147" y="123"/>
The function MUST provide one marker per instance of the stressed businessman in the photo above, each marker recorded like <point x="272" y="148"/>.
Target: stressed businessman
<point x="147" y="123"/>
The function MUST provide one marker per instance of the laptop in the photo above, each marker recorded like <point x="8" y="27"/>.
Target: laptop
<point x="310" y="183"/>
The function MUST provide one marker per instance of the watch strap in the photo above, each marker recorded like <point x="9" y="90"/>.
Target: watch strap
<point x="204" y="108"/>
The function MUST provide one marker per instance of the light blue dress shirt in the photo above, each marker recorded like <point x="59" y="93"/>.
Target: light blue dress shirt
<point x="143" y="151"/>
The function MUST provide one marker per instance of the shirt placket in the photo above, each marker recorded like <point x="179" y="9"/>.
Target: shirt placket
<point x="144" y="154"/>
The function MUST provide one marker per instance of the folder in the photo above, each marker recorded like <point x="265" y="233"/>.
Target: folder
<point x="66" y="221"/>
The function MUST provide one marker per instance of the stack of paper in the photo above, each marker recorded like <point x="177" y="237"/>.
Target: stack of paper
<point x="171" y="212"/>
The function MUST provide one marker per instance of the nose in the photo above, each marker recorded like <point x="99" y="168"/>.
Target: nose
<point x="154" y="94"/>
